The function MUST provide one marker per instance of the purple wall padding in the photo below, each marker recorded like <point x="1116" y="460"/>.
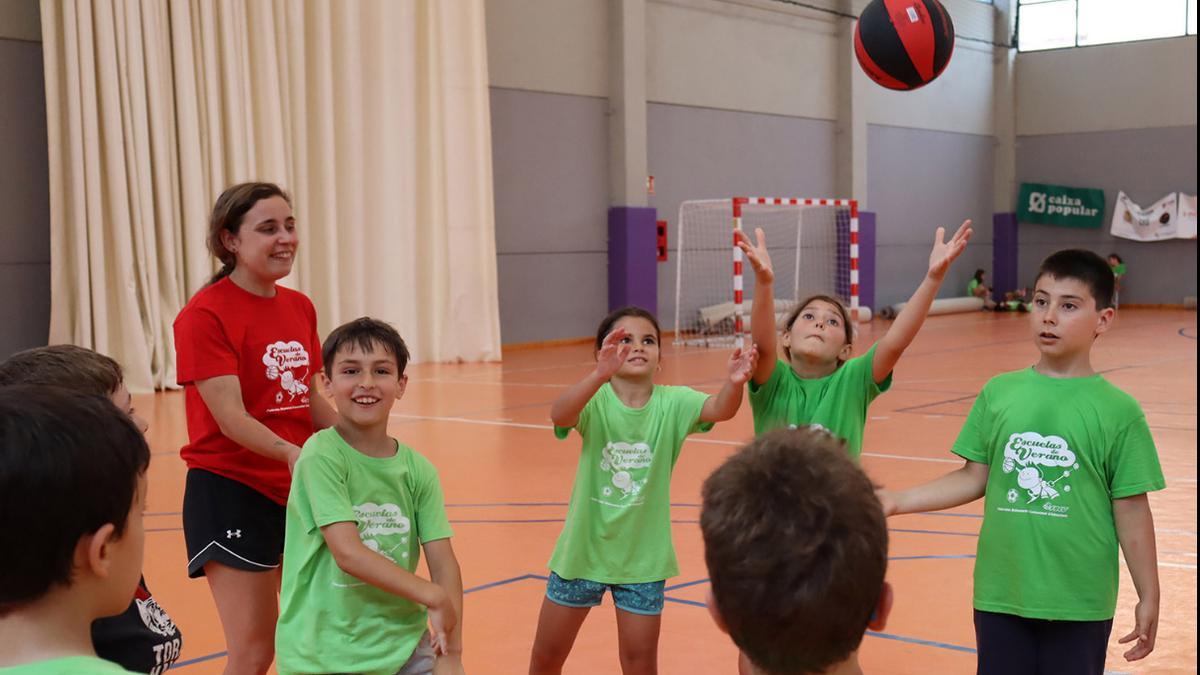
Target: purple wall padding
<point x="632" y="258"/>
<point x="866" y="260"/>
<point x="1004" y="254"/>
<point x="866" y="257"/>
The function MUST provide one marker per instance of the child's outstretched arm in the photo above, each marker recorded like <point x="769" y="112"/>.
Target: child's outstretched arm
<point x="360" y="562"/>
<point x="566" y="408"/>
<point x="762" y="312"/>
<point x="725" y="404"/>
<point x="445" y="572"/>
<point x="906" y="325"/>
<point x="954" y="489"/>
<point x="1135" y="530"/>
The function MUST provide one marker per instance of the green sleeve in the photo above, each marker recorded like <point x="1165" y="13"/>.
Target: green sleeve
<point x="585" y="417"/>
<point x="1133" y="466"/>
<point x="689" y="404"/>
<point x="325" y="497"/>
<point x="861" y="369"/>
<point x="971" y="286"/>
<point x="766" y="390"/>
<point x="431" y="521"/>
<point x="972" y="441"/>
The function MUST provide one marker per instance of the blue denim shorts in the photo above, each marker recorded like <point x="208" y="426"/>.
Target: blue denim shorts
<point x="645" y="598"/>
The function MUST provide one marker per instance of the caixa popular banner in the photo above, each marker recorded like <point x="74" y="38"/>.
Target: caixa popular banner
<point x="1058" y="205"/>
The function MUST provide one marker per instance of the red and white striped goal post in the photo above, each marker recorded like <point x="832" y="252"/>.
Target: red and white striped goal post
<point x="739" y="202"/>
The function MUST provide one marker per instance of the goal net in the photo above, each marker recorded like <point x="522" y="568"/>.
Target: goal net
<point x="813" y="249"/>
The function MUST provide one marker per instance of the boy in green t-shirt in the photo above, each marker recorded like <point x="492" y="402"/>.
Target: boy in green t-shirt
<point x="361" y="508"/>
<point x="72" y="493"/>
<point x="1063" y="460"/>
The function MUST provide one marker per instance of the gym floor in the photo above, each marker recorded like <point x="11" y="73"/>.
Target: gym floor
<point x="507" y="480"/>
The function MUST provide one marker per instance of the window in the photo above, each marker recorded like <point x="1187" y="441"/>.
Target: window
<point x="1052" y="24"/>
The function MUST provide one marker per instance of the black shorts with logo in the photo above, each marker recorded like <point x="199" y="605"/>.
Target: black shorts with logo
<point x="230" y="523"/>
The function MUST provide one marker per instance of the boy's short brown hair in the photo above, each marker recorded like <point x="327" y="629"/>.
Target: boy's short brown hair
<point x="796" y="546"/>
<point x="77" y="368"/>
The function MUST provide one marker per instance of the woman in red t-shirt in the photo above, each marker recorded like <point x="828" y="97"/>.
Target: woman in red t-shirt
<point x="247" y="352"/>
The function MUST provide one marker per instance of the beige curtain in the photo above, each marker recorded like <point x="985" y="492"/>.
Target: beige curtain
<point x="372" y="113"/>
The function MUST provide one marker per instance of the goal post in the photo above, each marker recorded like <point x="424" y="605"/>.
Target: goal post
<point x="813" y="245"/>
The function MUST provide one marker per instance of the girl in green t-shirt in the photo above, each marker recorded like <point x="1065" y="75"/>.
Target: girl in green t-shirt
<point x="617" y="535"/>
<point x="976" y="288"/>
<point x="816" y="382"/>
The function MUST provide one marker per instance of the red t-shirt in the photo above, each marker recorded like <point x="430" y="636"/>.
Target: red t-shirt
<point x="271" y="345"/>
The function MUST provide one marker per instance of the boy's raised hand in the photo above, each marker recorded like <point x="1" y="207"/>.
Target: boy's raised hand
<point x="1145" y="630"/>
<point x="742" y="363"/>
<point x="945" y="252"/>
<point x="612" y="353"/>
<point x="760" y="260"/>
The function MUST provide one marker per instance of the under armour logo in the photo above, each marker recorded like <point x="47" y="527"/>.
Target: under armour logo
<point x="230" y="534"/>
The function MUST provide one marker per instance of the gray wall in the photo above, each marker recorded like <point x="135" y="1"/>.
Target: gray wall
<point x="700" y="153"/>
<point x="25" y="195"/>
<point x="1146" y="164"/>
<point x="550" y="169"/>
<point x="920" y="180"/>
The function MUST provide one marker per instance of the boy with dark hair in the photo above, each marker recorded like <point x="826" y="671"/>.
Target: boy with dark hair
<point x="1063" y="460"/>
<point x="143" y="638"/>
<point x="72" y="493"/>
<point x="361" y="509"/>
<point x="796" y="546"/>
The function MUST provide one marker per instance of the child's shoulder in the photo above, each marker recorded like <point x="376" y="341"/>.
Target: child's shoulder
<point x="413" y="457"/>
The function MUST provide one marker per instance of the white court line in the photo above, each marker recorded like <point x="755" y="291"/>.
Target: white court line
<point x="435" y="380"/>
<point x="709" y="441"/>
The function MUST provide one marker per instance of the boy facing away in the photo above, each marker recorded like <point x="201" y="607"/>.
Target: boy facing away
<point x="143" y="638"/>
<point x="796" y="546"/>
<point x="361" y="508"/>
<point x="72" y="494"/>
<point x="1064" y="461"/>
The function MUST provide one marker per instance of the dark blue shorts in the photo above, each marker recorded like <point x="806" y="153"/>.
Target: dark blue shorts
<point x="645" y="598"/>
<point x="1013" y="644"/>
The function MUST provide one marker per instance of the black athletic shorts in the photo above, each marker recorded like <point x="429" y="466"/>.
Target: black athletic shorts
<point x="227" y="522"/>
<point x="1010" y="644"/>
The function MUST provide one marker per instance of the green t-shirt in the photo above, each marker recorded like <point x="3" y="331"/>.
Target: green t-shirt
<point x="70" y="665"/>
<point x="1058" y="451"/>
<point x="837" y="402"/>
<point x="1118" y="270"/>
<point x="971" y="286"/>
<point x="618" y="528"/>
<point x="330" y="621"/>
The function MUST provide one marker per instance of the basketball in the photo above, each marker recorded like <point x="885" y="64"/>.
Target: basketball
<point x="904" y="44"/>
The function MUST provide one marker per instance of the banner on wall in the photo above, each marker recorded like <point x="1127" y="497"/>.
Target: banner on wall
<point x="1172" y="217"/>
<point x="1058" y="205"/>
<point x="1187" y="216"/>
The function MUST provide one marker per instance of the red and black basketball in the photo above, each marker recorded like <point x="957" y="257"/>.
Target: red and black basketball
<point x="904" y="44"/>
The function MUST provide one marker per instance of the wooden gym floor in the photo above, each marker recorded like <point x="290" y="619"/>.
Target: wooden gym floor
<point x="507" y="480"/>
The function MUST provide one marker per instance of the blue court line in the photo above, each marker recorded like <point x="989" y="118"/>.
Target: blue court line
<point x="504" y="582"/>
<point x="685" y="585"/>
<point x="199" y="659"/>
<point x="681" y="601"/>
<point x="952" y="534"/>
<point x="947" y="515"/>
<point x="962" y="556"/>
<point x="919" y="641"/>
<point x="1184" y="334"/>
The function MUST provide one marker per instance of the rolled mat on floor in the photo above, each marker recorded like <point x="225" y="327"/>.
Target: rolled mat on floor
<point x="939" y="306"/>
<point x="864" y="314"/>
